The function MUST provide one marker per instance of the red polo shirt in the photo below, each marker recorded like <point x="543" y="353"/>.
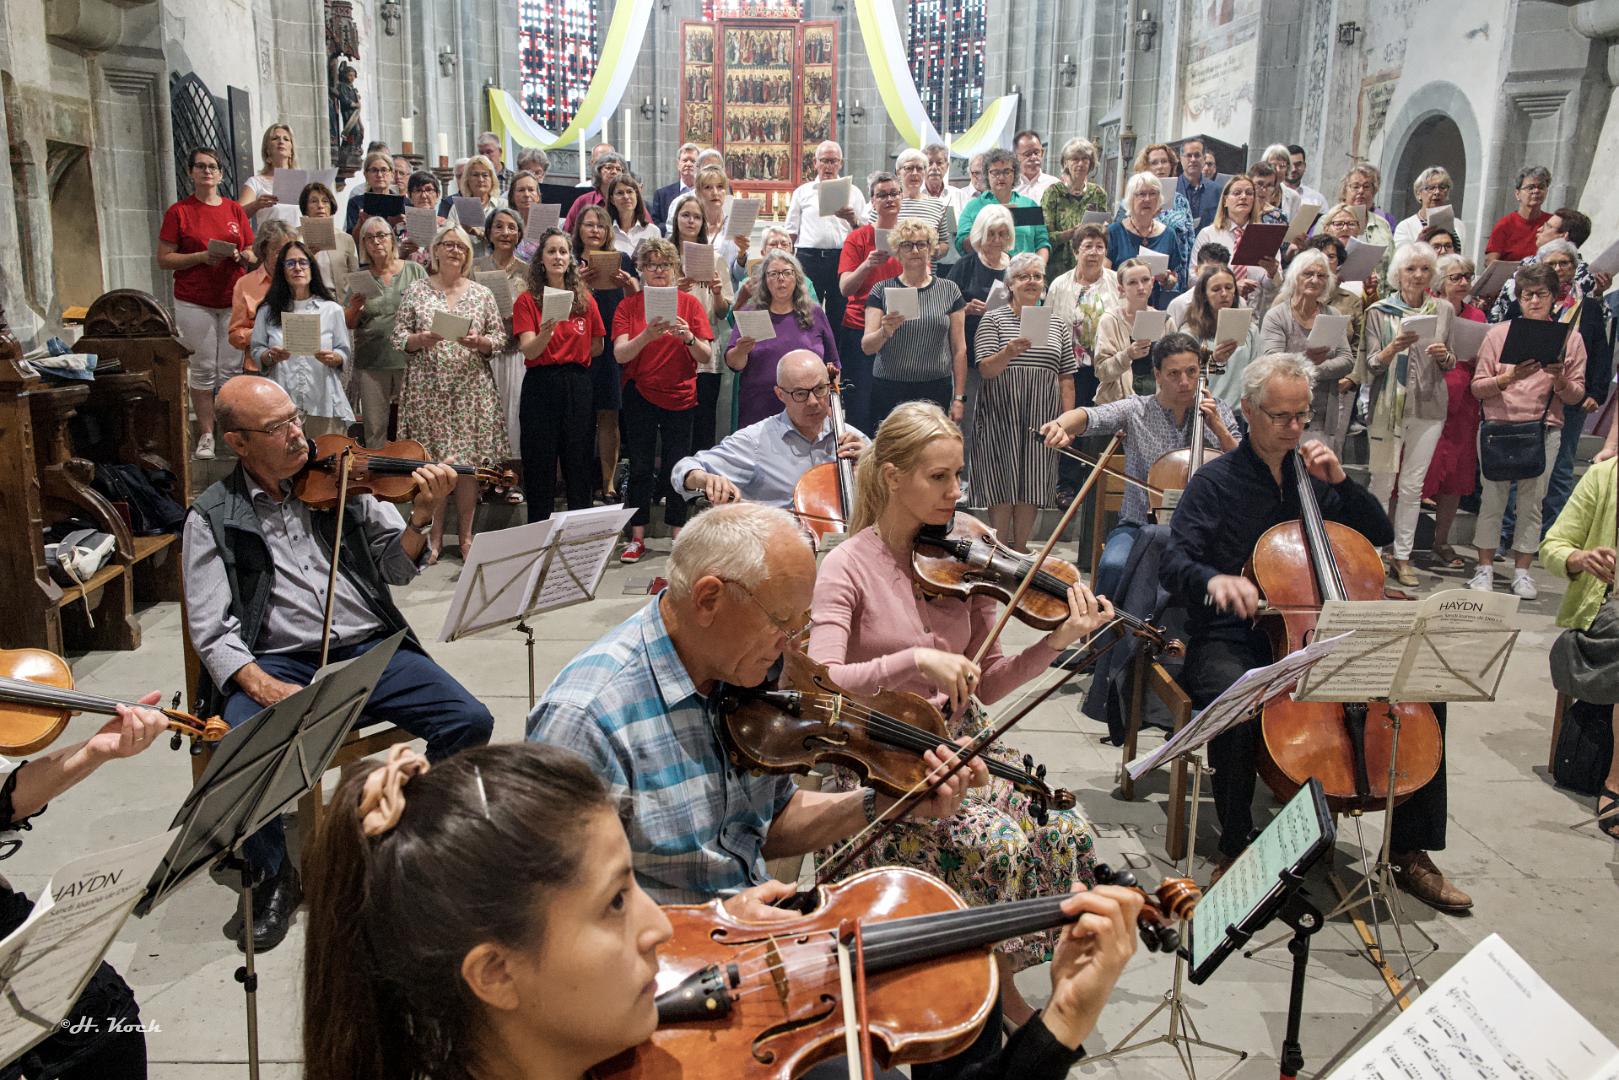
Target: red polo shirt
<point x="665" y="373"/>
<point x="1514" y="235"/>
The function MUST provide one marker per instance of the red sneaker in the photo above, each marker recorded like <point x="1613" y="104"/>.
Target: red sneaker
<point x="632" y="552"/>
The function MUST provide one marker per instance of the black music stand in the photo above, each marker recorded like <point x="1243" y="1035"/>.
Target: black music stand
<point x="259" y="770"/>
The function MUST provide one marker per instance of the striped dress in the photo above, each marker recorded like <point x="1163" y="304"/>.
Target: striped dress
<point x="1010" y="463"/>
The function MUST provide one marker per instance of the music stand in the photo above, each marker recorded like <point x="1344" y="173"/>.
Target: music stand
<point x="517" y="573"/>
<point x="256" y="772"/>
<point x="1238" y="704"/>
<point x="1451" y="646"/>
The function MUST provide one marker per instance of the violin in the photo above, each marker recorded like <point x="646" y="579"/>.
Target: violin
<point x="1173" y="469"/>
<point x="37" y="698"/>
<point x="383" y="474"/>
<point x="823" y="498"/>
<point x="765" y="1001"/>
<point x="967" y="559"/>
<point x="880" y="736"/>
<point x="1299" y="565"/>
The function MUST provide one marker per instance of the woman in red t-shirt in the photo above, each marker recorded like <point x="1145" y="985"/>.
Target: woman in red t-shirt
<point x="203" y="282"/>
<point x="556" y="416"/>
<point x="659" y="364"/>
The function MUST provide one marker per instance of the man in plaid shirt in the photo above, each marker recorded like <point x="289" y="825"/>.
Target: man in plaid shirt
<point x="638" y="706"/>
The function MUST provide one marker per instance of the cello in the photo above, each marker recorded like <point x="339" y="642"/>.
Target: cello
<point x="1298" y="566"/>
<point x="823" y="498"/>
<point x="1173" y="470"/>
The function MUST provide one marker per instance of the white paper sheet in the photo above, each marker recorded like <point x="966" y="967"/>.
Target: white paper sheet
<point x="1156" y="261"/>
<point x="1442" y="217"/>
<point x="1490" y="1016"/>
<point x="660" y="303"/>
<point x="300" y="332"/>
<point x="1301" y="221"/>
<point x="1094" y="217"/>
<point x="1169" y="187"/>
<point x="325" y="177"/>
<point x="1607" y="262"/>
<point x="1330" y="331"/>
<point x="1233" y="324"/>
<point x="222" y="247"/>
<point x="881" y="240"/>
<point x="744" y="212"/>
<point x="1034" y="323"/>
<point x="697" y="261"/>
<point x="1426" y="327"/>
<point x="1467" y="337"/>
<point x="757" y="325"/>
<point x="1149" y="325"/>
<point x="556" y="304"/>
<point x="320" y="233"/>
<point x="541" y="216"/>
<point x="362" y="283"/>
<point x="1362" y="260"/>
<point x="421" y="224"/>
<point x="288" y="184"/>
<point x="902" y="300"/>
<point x="1494" y="276"/>
<point x="999" y="296"/>
<point x="499" y="283"/>
<point x="833" y="195"/>
<point x="449" y="326"/>
<point x="468" y="212"/>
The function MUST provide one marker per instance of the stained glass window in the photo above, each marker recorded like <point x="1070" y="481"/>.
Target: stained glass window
<point x="556" y="51"/>
<point x="947" y="60"/>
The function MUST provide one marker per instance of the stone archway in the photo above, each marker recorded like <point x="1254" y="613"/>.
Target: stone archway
<point x="1435" y="126"/>
<point x="1436" y="140"/>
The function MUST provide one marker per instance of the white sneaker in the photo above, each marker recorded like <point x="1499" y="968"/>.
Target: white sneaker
<point x="1483" y="580"/>
<point x="205" y="447"/>
<point x="1523" y="585"/>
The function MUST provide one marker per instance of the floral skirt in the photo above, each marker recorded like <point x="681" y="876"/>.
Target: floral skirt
<point x="993" y="850"/>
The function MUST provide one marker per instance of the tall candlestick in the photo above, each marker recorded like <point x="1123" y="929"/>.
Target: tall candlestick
<point x="407" y="130"/>
<point x="443" y="150"/>
<point x="581" y="155"/>
<point x="628" y="141"/>
<point x="606" y="116"/>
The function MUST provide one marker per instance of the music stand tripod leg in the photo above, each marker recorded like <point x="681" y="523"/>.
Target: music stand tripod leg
<point x="528" y="633"/>
<point x="246" y="975"/>
<point x="1305" y="920"/>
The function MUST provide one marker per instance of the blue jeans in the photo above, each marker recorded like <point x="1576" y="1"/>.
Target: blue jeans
<point x="1115" y="554"/>
<point x="414" y="693"/>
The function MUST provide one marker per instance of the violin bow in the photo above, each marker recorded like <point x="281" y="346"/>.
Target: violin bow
<point x="337" y="552"/>
<point x="1051" y="542"/>
<point x="1084" y="458"/>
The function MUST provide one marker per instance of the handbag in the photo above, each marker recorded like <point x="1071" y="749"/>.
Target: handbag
<point x="1513" y="449"/>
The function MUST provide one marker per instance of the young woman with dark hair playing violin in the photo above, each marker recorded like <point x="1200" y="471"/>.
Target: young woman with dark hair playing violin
<point x="503" y="936"/>
<point x="1228" y="506"/>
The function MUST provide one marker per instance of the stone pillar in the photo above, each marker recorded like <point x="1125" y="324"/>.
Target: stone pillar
<point x="1599" y="20"/>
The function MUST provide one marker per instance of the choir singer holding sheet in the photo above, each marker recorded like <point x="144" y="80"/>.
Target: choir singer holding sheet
<point x="763" y="462"/>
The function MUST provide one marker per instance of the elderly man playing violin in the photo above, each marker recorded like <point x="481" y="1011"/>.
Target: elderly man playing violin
<point x="763" y="462"/>
<point x="257" y="562"/>
<point x="1227" y="506"/>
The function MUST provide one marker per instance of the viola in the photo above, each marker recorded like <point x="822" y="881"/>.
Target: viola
<point x="880" y="736"/>
<point x="37" y="698"/>
<point x="383" y="474"/>
<point x="966" y="559"/>
<point x="1299" y="565"/>
<point x="756" y="1001"/>
<point x="1173" y="469"/>
<point x="823" y="498"/>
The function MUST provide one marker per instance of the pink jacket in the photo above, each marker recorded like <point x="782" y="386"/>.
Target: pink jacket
<point x="1525" y="400"/>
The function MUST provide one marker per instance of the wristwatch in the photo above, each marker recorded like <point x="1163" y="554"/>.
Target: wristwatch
<point x="420" y="530"/>
<point x="961" y="398"/>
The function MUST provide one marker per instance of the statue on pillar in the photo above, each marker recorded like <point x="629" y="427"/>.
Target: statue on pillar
<point x="343" y="96"/>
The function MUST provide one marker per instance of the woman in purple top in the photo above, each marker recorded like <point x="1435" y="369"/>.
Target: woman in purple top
<point x="778" y="286"/>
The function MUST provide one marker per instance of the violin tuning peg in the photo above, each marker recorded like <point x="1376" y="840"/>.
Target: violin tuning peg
<point x="1028" y="762"/>
<point x="1124" y="879"/>
<point x="1040" y="771"/>
<point x="174" y="702"/>
<point x="174" y="741"/>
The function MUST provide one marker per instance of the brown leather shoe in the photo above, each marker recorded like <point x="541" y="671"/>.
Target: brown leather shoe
<point x="1417" y="875"/>
<point x="1221" y="865"/>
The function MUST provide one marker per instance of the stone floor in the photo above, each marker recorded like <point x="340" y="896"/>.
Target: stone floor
<point x="1542" y="886"/>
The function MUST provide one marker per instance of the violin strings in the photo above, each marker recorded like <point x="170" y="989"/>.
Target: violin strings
<point x="373" y="460"/>
<point x="28" y="693"/>
<point x="908" y="736"/>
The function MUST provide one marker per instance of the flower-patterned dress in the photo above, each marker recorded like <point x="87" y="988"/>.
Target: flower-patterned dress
<point x="449" y="402"/>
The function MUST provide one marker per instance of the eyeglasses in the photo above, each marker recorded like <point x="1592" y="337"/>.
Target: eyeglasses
<point x="280" y="428"/>
<point x="885" y="195"/>
<point x="1533" y="187"/>
<point x="1286" y="419"/>
<point x="803" y="393"/>
<point x="659" y="265"/>
<point x="1004" y="174"/>
<point x="1437" y="187"/>
<point x="1560" y="264"/>
<point x="913" y="167"/>
<point x="779" y="275"/>
<point x="787" y="630"/>
<point x="912" y="245"/>
<point x="296" y="264"/>
<point x="1533" y="294"/>
<point x="1459" y="276"/>
<point x="205" y="166"/>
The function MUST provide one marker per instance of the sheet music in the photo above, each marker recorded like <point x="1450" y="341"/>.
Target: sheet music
<point x="1233" y="324"/>
<point x="757" y="325"/>
<point x="583" y="540"/>
<point x="363" y="283"/>
<point x="607" y="265"/>
<point x="300" y="332"/>
<point x="1241" y="700"/>
<point x="46" y="962"/>
<point x="1608" y="261"/>
<point x="327" y="178"/>
<point x="1467" y="337"/>
<point x="1168" y="188"/>
<point x="222" y="247"/>
<point x="1490" y="1017"/>
<point x="881" y="241"/>
<point x="1329" y="331"/>
<point x="1034" y="323"/>
<point x="1442" y="217"/>
<point x="1156" y="261"/>
<point x="499" y="283"/>
<point x="697" y="261"/>
<point x="468" y="212"/>
<point x="902" y="300"/>
<point x="833" y="195"/>
<point x="1149" y="325"/>
<point x="1303" y="218"/>
<point x="660" y="303"/>
<point x="541" y="216"/>
<point x="449" y="326"/>
<point x="1094" y="217"/>
<point x="1494" y="276"/>
<point x="555" y="305"/>
<point x="421" y="224"/>
<point x="744" y="212"/>
<point x="998" y="297"/>
<point x="287" y="185"/>
<point x="1426" y="327"/>
<point x="320" y="233"/>
<point x="1363" y="258"/>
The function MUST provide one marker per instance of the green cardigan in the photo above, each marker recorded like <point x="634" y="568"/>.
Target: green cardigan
<point x="1587" y="522"/>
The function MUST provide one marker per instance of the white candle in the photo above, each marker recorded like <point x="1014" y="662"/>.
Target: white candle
<point x="581" y="155"/>
<point x="407" y="130"/>
<point x="443" y="145"/>
<point x="627" y="129"/>
<point x="606" y="116"/>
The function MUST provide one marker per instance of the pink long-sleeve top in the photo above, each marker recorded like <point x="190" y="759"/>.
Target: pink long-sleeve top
<point x="1526" y="400"/>
<point x="868" y="623"/>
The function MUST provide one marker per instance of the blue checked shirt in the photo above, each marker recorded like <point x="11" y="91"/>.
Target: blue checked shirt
<point x="697" y="824"/>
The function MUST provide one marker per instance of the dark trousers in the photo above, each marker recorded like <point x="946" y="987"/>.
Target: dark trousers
<point x="821" y="267"/>
<point x="705" y="417"/>
<point x="1213" y="665"/>
<point x="855" y="372"/>
<point x="645" y="426"/>
<point x="558" y="422"/>
<point x="414" y="693"/>
<point x="887" y="393"/>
